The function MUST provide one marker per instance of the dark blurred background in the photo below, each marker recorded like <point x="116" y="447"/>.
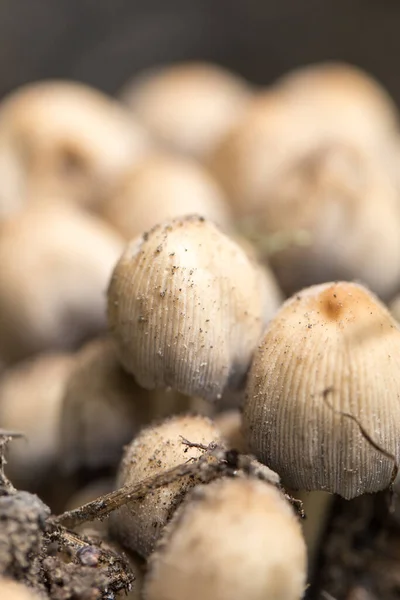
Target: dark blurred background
<point x="103" y="42"/>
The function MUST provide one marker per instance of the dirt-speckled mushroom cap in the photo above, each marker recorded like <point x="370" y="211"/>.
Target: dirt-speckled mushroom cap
<point x="230" y="540"/>
<point x="187" y="106"/>
<point x="30" y="403"/>
<point x="156" y="449"/>
<point x="56" y="263"/>
<point x="187" y="308"/>
<point x="163" y="187"/>
<point x="332" y="350"/>
<point x="62" y="137"/>
<point x="12" y="590"/>
<point x="103" y="407"/>
<point x="346" y="206"/>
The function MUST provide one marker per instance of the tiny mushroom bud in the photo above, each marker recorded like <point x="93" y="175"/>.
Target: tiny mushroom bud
<point x="56" y="262"/>
<point x="233" y="539"/>
<point x="30" y="403"/>
<point x="60" y="137"/>
<point x="229" y="424"/>
<point x="322" y="399"/>
<point x="138" y="524"/>
<point x="162" y="187"/>
<point x="188" y="106"/>
<point x="187" y="307"/>
<point x="103" y="407"/>
<point x="12" y="590"/>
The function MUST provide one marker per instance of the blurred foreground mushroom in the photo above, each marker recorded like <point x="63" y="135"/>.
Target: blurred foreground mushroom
<point x="65" y="138"/>
<point x="188" y="106"/>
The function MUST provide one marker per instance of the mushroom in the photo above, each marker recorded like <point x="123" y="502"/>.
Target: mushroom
<point x="138" y="524"/>
<point x="63" y="137"/>
<point x="187" y="308"/>
<point x="347" y="209"/>
<point x="56" y="262"/>
<point x="230" y="540"/>
<point x="162" y="187"/>
<point x="187" y="106"/>
<point x="12" y="590"/>
<point x="30" y="404"/>
<point x="321" y="105"/>
<point x="322" y="398"/>
<point x="229" y="424"/>
<point x="103" y="408"/>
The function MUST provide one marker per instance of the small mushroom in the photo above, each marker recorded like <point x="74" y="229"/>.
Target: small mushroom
<point x="346" y="207"/>
<point x="30" y="403"/>
<point x="12" y="590"/>
<point x="138" y="524"/>
<point x="62" y="137"/>
<point x="163" y="187"/>
<point x="322" y="399"/>
<point x="187" y="308"/>
<point x="229" y="424"/>
<point x="56" y="262"/>
<point x="188" y="106"/>
<point x="230" y="540"/>
<point x="103" y="408"/>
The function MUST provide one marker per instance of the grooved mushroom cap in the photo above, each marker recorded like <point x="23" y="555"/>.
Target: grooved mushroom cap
<point x="188" y="106"/>
<point x="163" y="187"/>
<point x="348" y="206"/>
<point x="11" y="590"/>
<point x="331" y="349"/>
<point x="187" y="308"/>
<point x="233" y="539"/>
<point x="62" y="137"/>
<point x="55" y="265"/>
<point x="156" y="449"/>
<point x="30" y="403"/>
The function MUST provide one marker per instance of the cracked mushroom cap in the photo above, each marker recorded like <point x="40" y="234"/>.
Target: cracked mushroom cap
<point x="231" y="539"/>
<point x="163" y="187"/>
<point x="30" y="403"/>
<point x="11" y="590"/>
<point x="62" y="137"/>
<point x="56" y="263"/>
<point x="189" y="106"/>
<point x="138" y="524"/>
<point x="346" y="207"/>
<point x="322" y="401"/>
<point x="187" y="308"/>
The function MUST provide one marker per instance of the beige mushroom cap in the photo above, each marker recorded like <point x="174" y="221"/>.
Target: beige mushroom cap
<point x="30" y="403"/>
<point x="187" y="308"/>
<point x="188" y="106"/>
<point x="347" y="205"/>
<point x="156" y="449"/>
<point x="55" y="265"/>
<point x="332" y="350"/>
<point x="163" y="187"/>
<point x="230" y="540"/>
<point x="62" y="137"/>
<point x="11" y="590"/>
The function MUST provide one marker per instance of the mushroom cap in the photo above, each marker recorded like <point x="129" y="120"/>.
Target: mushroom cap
<point x="30" y="403"/>
<point x="163" y="187"/>
<point x="231" y="539"/>
<point x="156" y="449"/>
<point x="55" y="265"/>
<point x="187" y="106"/>
<point x="64" y="137"/>
<point x="187" y="308"/>
<point x="347" y="205"/>
<point x="11" y="590"/>
<point x="331" y="351"/>
<point x="315" y="106"/>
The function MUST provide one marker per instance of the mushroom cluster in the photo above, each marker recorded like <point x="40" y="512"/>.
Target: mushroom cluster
<point x="193" y="328"/>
